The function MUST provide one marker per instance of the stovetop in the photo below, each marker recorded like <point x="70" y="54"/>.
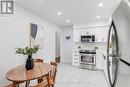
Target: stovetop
<point x="88" y="51"/>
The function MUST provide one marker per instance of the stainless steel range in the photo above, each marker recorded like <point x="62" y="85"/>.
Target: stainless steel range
<point x="88" y="59"/>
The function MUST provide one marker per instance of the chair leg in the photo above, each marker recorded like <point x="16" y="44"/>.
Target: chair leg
<point x="15" y="84"/>
<point x="40" y="80"/>
<point x="27" y="83"/>
<point x="48" y="80"/>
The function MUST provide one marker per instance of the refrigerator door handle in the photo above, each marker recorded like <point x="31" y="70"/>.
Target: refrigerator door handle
<point x="113" y="55"/>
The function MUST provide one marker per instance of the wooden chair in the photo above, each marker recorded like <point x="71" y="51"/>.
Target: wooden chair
<point x="52" y="74"/>
<point x="38" y="60"/>
<point x="42" y="84"/>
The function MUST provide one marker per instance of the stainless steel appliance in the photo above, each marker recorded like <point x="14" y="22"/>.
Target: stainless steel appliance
<point x="118" y="49"/>
<point x="88" y="38"/>
<point x="88" y="59"/>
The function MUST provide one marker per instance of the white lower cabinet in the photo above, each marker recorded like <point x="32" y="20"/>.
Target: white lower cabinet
<point x="101" y="63"/>
<point x="99" y="60"/>
<point x="75" y="58"/>
<point x="105" y="67"/>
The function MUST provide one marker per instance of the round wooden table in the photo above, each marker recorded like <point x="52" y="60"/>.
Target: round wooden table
<point x="19" y="74"/>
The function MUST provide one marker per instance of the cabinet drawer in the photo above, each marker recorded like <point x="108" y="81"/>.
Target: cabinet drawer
<point x="76" y="62"/>
<point x="75" y="51"/>
<point x="77" y="59"/>
<point x="76" y="55"/>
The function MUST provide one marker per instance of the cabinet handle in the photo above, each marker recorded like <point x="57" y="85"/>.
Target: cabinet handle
<point x="75" y="55"/>
<point x="75" y="62"/>
<point x="75" y="58"/>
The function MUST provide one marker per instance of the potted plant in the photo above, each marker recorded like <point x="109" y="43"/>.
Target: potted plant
<point x="29" y="52"/>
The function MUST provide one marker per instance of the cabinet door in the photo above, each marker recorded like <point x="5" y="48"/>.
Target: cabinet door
<point x="99" y="60"/>
<point x="77" y="35"/>
<point x="105" y="67"/>
<point x="101" y="34"/>
<point x="85" y="32"/>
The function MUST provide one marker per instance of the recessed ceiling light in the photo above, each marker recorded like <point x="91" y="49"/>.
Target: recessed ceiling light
<point x="68" y="21"/>
<point x="100" y="4"/>
<point x="59" y="13"/>
<point x="98" y="16"/>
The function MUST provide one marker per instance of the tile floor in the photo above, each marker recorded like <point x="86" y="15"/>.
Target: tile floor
<point x="70" y="76"/>
<point x="123" y="80"/>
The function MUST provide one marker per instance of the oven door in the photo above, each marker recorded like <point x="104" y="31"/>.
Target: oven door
<point x="87" y="59"/>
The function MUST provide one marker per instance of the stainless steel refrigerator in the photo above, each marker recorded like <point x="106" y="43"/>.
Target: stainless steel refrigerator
<point x="118" y="48"/>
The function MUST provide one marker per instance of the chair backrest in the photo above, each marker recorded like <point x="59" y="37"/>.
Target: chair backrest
<point x="38" y="60"/>
<point x="53" y="70"/>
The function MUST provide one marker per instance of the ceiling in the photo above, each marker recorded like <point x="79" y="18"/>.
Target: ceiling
<point x="77" y="11"/>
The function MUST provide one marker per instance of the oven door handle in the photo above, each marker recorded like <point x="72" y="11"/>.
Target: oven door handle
<point x="88" y="54"/>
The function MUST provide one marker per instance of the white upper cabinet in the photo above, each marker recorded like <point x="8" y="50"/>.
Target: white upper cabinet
<point x="76" y="33"/>
<point x="101" y="33"/>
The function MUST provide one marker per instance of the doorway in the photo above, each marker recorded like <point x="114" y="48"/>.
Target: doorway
<point x="57" y="46"/>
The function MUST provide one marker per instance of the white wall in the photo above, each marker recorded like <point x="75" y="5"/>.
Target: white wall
<point x="14" y="31"/>
<point x="66" y="45"/>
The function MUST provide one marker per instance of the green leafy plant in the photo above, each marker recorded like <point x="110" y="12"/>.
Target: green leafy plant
<point x="27" y="50"/>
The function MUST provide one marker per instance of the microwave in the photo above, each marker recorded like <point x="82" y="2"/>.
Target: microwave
<point x="88" y="38"/>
